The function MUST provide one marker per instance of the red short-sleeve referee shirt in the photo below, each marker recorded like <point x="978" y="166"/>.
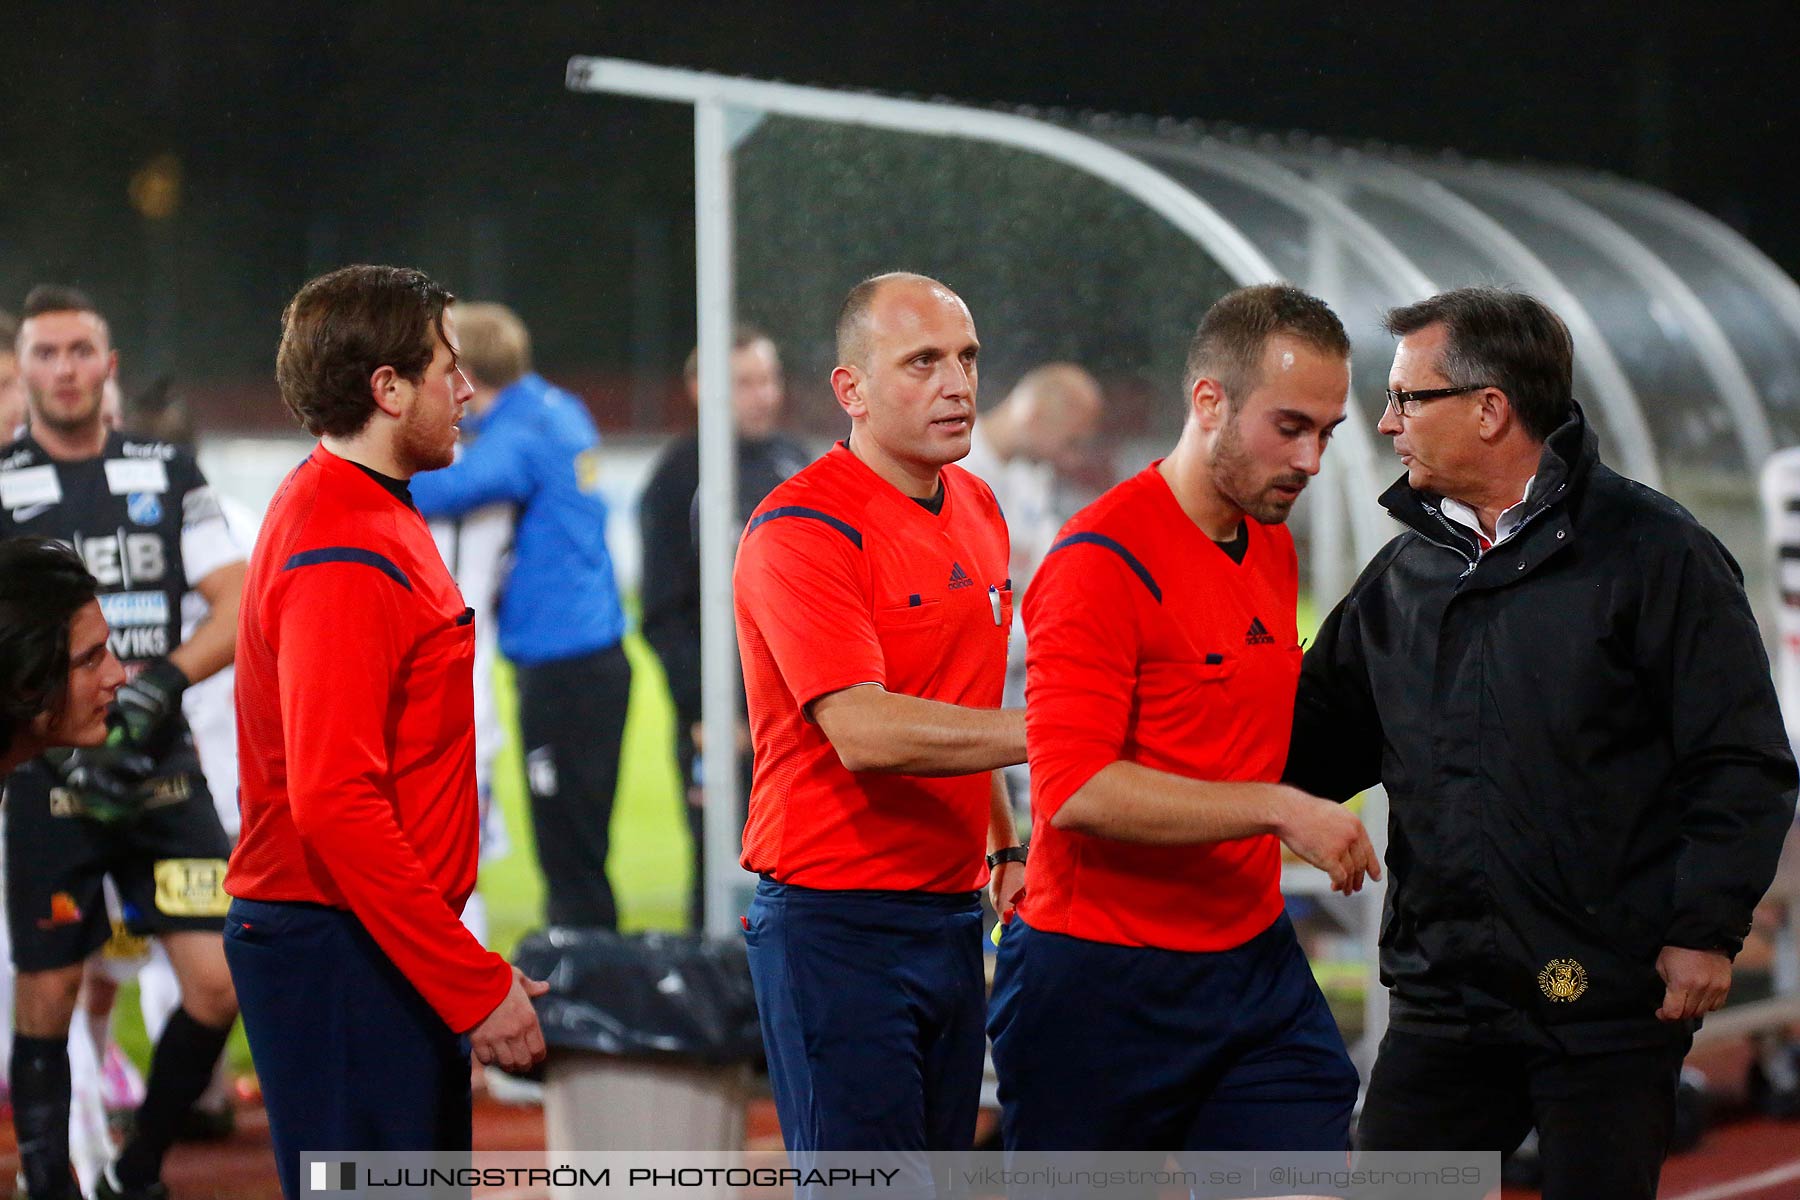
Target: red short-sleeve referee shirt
<point x="842" y="580"/>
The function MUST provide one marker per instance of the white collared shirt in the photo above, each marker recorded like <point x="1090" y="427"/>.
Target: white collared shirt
<point x="1505" y="525"/>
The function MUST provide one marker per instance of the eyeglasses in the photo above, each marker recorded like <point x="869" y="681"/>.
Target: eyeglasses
<point x="1407" y="404"/>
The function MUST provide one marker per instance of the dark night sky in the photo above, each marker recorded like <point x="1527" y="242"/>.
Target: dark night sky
<point x="317" y="133"/>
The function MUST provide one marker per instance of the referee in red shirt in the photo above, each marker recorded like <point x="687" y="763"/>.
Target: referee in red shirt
<point x="1151" y="995"/>
<point x="361" y="990"/>
<point x="872" y="614"/>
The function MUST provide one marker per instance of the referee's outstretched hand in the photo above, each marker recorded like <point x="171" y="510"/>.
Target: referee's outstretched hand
<point x="510" y="1038"/>
<point x="1329" y="836"/>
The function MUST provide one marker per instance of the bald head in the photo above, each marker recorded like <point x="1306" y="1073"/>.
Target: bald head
<point x="906" y="378"/>
<point x="1058" y="393"/>
<point x="1049" y="416"/>
<point x="856" y="318"/>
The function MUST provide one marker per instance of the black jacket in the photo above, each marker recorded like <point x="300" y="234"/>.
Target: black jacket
<point x="667" y="517"/>
<point x="1583" y="754"/>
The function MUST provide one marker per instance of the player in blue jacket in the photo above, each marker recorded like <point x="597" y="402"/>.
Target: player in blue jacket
<point x="535" y="447"/>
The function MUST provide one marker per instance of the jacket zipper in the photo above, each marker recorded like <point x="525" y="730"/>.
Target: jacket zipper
<point x="1457" y="550"/>
<point x="1469" y="570"/>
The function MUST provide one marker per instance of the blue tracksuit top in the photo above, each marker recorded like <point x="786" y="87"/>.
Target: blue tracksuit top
<point x="537" y="449"/>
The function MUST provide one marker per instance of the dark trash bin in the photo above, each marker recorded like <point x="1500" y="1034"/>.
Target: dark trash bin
<point x="652" y="1039"/>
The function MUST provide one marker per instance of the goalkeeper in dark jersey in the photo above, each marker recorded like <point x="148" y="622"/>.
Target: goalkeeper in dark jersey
<point x="58" y="675"/>
<point x="136" y="809"/>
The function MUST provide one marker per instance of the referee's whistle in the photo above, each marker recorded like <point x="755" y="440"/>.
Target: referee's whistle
<point x="994" y="600"/>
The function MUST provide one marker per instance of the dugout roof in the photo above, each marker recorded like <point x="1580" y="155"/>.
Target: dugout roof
<point x="1101" y="239"/>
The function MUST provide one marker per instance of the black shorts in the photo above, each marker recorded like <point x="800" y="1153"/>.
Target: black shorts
<point x="168" y="866"/>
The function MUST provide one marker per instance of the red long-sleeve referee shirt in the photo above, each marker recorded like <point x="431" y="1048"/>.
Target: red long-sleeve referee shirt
<point x="355" y="717"/>
<point x="1147" y="643"/>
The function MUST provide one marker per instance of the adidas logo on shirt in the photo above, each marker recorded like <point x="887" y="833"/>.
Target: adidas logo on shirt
<point x="959" y="578"/>
<point x="1258" y="634"/>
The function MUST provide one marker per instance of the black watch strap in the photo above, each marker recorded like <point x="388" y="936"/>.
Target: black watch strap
<point x="1006" y="854"/>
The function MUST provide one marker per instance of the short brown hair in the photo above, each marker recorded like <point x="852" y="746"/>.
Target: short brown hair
<point x="492" y="342"/>
<point x="1507" y="340"/>
<point x="1228" y="346"/>
<point x="9" y="331"/>
<point x="341" y="328"/>
<point x="56" y="298"/>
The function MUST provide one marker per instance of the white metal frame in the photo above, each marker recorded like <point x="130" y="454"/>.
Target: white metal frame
<point x="717" y="505"/>
<point x="1642" y="209"/>
<point x="1714" y="236"/>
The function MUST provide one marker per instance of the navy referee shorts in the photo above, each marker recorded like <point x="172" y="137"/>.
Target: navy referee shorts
<point x="1107" y="1047"/>
<point x="871" y="1005"/>
<point x="350" y="1056"/>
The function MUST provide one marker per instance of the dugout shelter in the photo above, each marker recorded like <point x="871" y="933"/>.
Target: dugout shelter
<point x="1100" y="239"/>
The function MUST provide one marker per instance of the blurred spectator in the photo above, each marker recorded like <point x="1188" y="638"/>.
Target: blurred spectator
<point x="1026" y="448"/>
<point x="112" y="404"/>
<point x="1780" y="489"/>
<point x="668" y="514"/>
<point x="1025" y="445"/>
<point x="535" y="447"/>
<point x="12" y="387"/>
<point x="1777" y="1050"/>
<point x="475" y="546"/>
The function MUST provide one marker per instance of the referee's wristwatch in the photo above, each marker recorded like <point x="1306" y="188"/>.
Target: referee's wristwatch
<point x="1007" y="854"/>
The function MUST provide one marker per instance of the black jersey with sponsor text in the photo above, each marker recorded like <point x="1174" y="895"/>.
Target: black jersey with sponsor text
<point x="147" y="525"/>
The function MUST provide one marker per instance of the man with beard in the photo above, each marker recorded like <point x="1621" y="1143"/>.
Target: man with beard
<point x="1150" y="994"/>
<point x="362" y="990"/>
<point x="136" y="809"/>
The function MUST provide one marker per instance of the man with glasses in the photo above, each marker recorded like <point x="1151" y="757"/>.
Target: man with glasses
<point x="1555" y="673"/>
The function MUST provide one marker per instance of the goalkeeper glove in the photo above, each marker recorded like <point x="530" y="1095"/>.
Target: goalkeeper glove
<point x="108" y="780"/>
<point x="144" y="711"/>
